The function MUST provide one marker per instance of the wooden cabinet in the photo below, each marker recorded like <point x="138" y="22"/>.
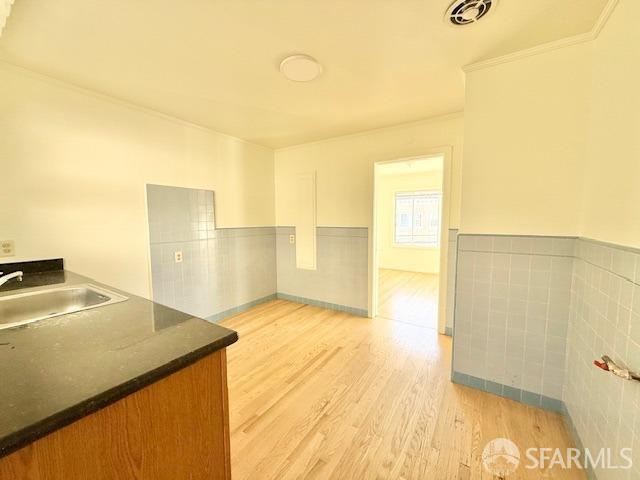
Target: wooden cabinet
<point x="176" y="428"/>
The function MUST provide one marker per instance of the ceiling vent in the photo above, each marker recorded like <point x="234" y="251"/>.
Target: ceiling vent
<point x="466" y="12"/>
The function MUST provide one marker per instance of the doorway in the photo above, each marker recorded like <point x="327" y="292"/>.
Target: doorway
<point x="410" y="212"/>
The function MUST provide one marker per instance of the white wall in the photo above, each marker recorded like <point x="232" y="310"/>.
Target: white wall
<point x="525" y="144"/>
<point x="403" y="257"/>
<point x="344" y="167"/>
<point x="345" y="174"/>
<point x="611" y="203"/>
<point x="74" y="167"/>
<point x="552" y="141"/>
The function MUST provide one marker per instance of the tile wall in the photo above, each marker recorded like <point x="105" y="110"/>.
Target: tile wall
<point x="227" y="270"/>
<point x="531" y="315"/>
<point x="604" y="410"/>
<point x="511" y="315"/>
<point x="223" y="270"/>
<point x="341" y="278"/>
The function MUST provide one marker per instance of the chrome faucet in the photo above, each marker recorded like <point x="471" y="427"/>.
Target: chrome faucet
<point x="5" y="278"/>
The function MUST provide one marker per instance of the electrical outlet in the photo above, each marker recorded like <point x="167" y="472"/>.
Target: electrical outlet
<point x="292" y="239"/>
<point x="177" y="256"/>
<point x="7" y="248"/>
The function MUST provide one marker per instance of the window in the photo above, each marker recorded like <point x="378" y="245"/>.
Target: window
<point x="418" y="218"/>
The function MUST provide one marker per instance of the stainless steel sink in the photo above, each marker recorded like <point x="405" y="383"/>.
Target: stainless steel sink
<point x="30" y="307"/>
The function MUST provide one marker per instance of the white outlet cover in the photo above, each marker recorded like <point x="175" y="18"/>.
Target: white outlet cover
<point x="7" y="248"/>
<point x="292" y="239"/>
<point x="178" y="256"/>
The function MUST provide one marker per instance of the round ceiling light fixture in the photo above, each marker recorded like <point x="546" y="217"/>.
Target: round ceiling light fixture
<point x="300" y="68"/>
<point x="466" y="12"/>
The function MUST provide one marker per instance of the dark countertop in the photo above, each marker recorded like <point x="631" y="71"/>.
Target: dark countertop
<point x="56" y="371"/>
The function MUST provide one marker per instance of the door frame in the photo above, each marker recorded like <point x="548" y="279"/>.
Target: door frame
<point x="446" y="153"/>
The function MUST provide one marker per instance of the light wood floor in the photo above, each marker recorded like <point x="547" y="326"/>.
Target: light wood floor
<point x="315" y="393"/>
<point x="409" y="297"/>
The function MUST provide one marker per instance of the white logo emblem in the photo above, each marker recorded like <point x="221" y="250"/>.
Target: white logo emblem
<point x="501" y="457"/>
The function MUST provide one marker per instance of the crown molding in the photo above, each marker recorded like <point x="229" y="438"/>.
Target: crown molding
<point x="529" y="52"/>
<point x="107" y="98"/>
<point x="388" y="128"/>
<point x="603" y="18"/>
<point x="549" y="46"/>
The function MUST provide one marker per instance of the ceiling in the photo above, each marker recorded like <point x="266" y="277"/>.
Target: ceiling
<point x="215" y="62"/>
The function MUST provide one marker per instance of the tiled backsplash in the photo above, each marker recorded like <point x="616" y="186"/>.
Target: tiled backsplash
<point x="232" y="268"/>
<point x="341" y="277"/>
<point x="604" y="319"/>
<point x="221" y="271"/>
<point x="511" y="314"/>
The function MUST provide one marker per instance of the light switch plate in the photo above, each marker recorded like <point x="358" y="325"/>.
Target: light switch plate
<point x="7" y="248"/>
<point x="178" y="256"/>
<point x="292" y="239"/>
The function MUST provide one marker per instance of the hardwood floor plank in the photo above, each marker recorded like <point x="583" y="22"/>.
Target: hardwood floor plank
<point x="410" y="297"/>
<point x="320" y="394"/>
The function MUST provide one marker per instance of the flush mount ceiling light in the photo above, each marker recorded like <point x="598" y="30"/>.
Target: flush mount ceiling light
<point x="5" y="9"/>
<point x="466" y="12"/>
<point x="300" y="68"/>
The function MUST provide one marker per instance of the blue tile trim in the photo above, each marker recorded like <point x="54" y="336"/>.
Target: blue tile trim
<point x="461" y="378"/>
<point x="242" y="308"/>
<point x="362" y="232"/>
<point x="318" y="303"/>
<point x="553" y="404"/>
<point x="531" y="398"/>
<point x="512" y="393"/>
<point x="448" y="331"/>
<point x="517" y="394"/>
<point x="479" y="383"/>
<point x="495" y="388"/>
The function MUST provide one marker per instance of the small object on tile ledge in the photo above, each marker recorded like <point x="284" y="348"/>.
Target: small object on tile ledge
<point x="609" y="365"/>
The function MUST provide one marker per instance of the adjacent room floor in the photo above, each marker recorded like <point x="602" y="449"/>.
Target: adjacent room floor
<point x="409" y="297"/>
<point x="316" y="393"/>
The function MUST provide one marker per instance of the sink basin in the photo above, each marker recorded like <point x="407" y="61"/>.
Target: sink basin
<point x="30" y="307"/>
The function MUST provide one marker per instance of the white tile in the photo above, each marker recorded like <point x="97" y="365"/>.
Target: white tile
<point x="542" y="245"/>
<point x="484" y="243"/>
<point x="466" y="242"/>
<point x="522" y="244"/>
